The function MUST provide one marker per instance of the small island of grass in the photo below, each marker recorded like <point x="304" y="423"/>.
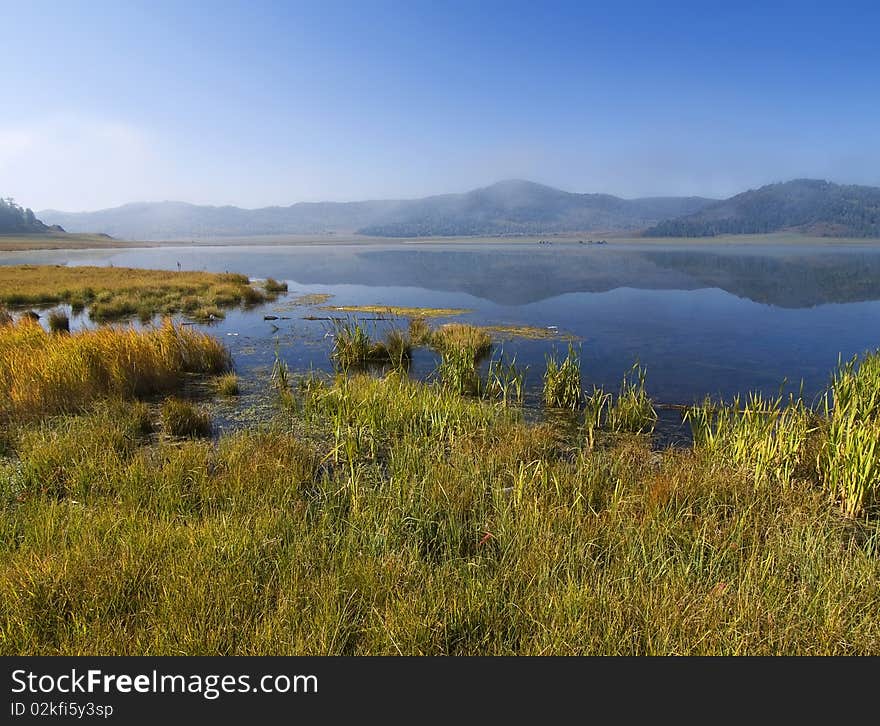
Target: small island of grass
<point x="121" y="293"/>
<point x="397" y="311"/>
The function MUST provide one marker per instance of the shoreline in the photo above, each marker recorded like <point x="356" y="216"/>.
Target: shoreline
<point x="73" y="241"/>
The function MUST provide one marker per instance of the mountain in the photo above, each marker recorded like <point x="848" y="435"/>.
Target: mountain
<point x="804" y="205"/>
<point x="510" y="207"/>
<point x="18" y="220"/>
<point x="522" y="207"/>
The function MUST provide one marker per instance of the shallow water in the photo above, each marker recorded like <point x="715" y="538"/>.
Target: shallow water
<point x="704" y="320"/>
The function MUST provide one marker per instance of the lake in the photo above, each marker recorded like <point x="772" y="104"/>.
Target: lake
<point x="702" y="319"/>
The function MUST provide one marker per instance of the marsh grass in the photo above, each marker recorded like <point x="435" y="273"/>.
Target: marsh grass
<point x="632" y="411"/>
<point x="457" y="337"/>
<point x="849" y="461"/>
<point x="458" y="371"/>
<point x="562" y="381"/>
<point x="273" y="286"/>
<point x="765" y="438"/>
<point x="505" y="380"/>
<point x="120" y="293"/>
<point x="410" y="520"/>
<point x="227" y="385"/>
<point x="353" y="347"/>
<point x="43" y="374"/>
<point x="182" y="418"/>
<point x="596" y="406"/>
<point x="59" y="322"/>
<point x="420" y="331"/>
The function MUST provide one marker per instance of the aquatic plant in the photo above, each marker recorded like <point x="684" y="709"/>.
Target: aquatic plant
<point x="764" y="437"/>
<point x="272" y="285"/>
<point x="59" y="322"/>
<point x="562" y="381"/>
<point x="458" y="337"/>
<point x="596" y="406"/>
<point x="632" y="410"/>
<point x="227" y="385"/>
<point x="420" y="332"/>
<point x="505" y="380"/>
<point x="353" y="346"/>
<point x="458" y="371"/>
<point x="398" y="347"/>
<point x="849" y="462"/>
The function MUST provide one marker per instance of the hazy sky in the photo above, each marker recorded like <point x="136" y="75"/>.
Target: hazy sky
<point x="271" y="103"/>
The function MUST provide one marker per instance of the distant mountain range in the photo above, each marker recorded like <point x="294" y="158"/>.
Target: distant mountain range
<point x="507" y="208"/>
<point x="802" y="205"/>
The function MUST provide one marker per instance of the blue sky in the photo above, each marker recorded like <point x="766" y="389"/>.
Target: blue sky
<point x="271" y="103"/>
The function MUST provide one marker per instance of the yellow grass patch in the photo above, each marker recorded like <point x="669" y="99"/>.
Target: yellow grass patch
<point x="42" y="373"/>
<point x="397" y="311"/>
<point x="113" y="293"/>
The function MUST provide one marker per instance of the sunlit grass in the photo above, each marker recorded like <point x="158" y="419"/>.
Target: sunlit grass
<point x="118" y="293"/>
<point x="184" y="419"/>
<point x="456" y="337"/>
<point x="562" y="381"/>
<point x="384" y="516"/>
<point x="43" y="374"/>
<point x="227" y="385"/>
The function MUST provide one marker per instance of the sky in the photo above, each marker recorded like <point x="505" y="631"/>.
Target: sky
<point x="262" y="103"/>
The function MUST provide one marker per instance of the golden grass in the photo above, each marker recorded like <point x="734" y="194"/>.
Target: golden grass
<point x="461" y="336"/>
<point x="398" y="311"/>
<point x="114" y="293"/>
<point x="530" y="332"/>
<point x="43" y="374"/>
<point x="227" y="385"/>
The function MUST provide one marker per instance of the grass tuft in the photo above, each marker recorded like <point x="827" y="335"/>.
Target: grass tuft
<point x="184" y="419"/>
<point x="59" y="322"/>
<point x="227" y="385"/>
<point x="562" y="381"/>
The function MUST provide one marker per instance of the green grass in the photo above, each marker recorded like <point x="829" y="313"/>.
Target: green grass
<point x="632" y="411"/>
<point x="184" y="419"/>
<point x="411" y="520"/>
<point x="562" y="381"/>
<point x="384" y="516"/>
<point x="849" y="460"/>
<point x="457" y="337"/>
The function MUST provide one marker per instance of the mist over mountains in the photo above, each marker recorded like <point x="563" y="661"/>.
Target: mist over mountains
<point x="507" y="208"/>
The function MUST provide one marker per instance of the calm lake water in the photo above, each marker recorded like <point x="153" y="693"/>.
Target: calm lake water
<point x="703" y="320"/>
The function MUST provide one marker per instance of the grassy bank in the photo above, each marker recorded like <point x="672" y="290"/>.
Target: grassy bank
<point x="118" y="293"/>
<point x="387" y="516"/>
